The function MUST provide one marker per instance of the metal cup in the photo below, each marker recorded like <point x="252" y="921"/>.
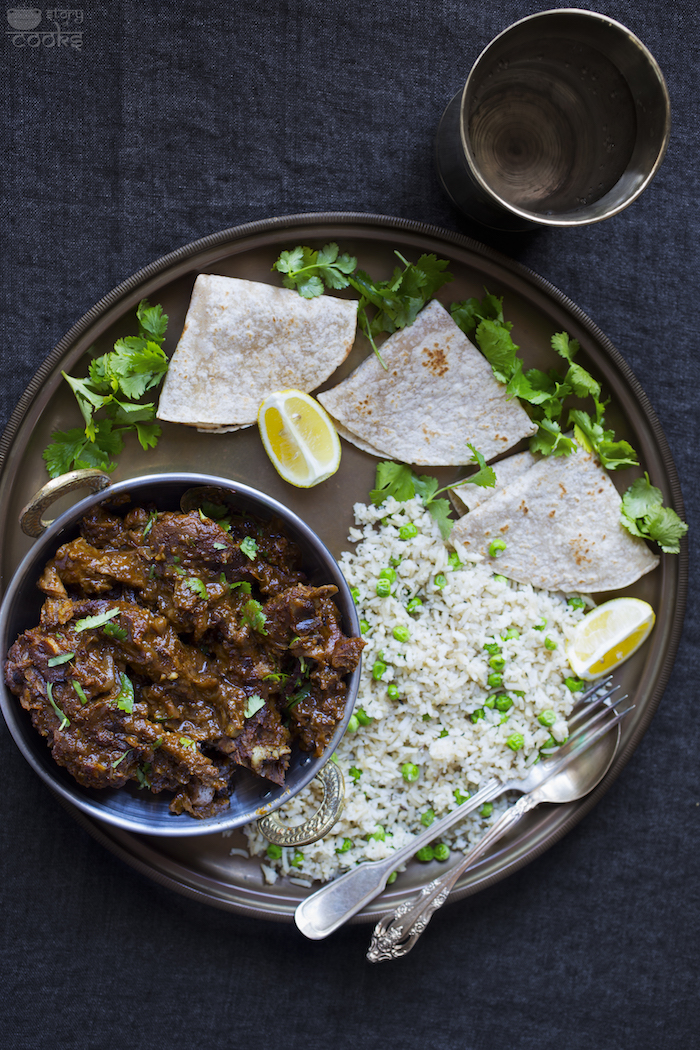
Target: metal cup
<point x="563" y="121"/>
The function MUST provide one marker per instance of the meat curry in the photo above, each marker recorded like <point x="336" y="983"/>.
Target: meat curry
<point x="174" y="648"/>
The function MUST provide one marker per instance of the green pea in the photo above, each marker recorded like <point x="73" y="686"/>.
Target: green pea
<point x="549" y="742"/>
<point x="392" y="878"/>
<point x="547" y="718"/>
<point x="346" y="845"/>
<point x="383" y="588"/>
<point x="453" y="561"/>
<point x="379" y="835"/>
<point x="388" y="574"/>
<point x="486" y="810"/>
<point x="413" y="604"/>
<point x="297" y="859"/>
<point x="440" y="581"/>
<point x="549" y="644"/>
<point x="426" y="854"/>
<point x="574" y="685"/>
<point x="274" y="851"/>
<point x="503" y="702"/>
<point x="490" y="701"/>
<point x="459" y="797"/>
<point x="364" y="626"/>
<point x="476" y="715"/>
<point x="392" y="691"/>
<point x="407" y="532"/>
<point x="499" y="578"/>
<point x="362" y="717"/>
<point x="353" y="724"/>
<point x="497" y="662"/>
<point x="401" y="633"/>
<point x="441" y="851"/>
<point x="576" y="603"/>
<point x="495" y="548"/>
<point x="540" y="626"/>
<point x="493" y="648"/>
<point x="410" y="772"/>
<point x="510" y="633"/>
<point x="427" y="818"/>
<point x="494" y="681"/>
<point x="378" y="669"/>
<point x="355" y="594"/>
<point x="516" y="741"/>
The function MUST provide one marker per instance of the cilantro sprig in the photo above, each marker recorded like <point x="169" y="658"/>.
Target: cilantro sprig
<point x="396" y="301"/>
<point x="110" y="399"/>
<point x="399" y="481"/>
<point x="644" y="514"/>
<point x="544" y="394"/>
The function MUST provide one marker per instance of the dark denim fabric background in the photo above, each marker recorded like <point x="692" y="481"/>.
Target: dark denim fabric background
<point x="176" y="120"/>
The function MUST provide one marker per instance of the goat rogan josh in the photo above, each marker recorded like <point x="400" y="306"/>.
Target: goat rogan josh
<point x="174" y="648"/>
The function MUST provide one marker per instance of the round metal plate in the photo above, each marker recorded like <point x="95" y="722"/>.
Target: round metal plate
<point x="203" y="867"/>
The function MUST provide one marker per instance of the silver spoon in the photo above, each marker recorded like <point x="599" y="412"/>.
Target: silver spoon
<point x="333" y="904"/>
<point x="396" y="933"/>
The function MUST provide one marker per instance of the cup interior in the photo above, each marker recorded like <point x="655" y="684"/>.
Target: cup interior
<point x="565" y="118"/>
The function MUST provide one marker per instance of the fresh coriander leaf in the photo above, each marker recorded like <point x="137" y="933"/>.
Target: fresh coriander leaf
<point x="565" y="346"/>
<point x="153" y="322"/>
<point x="254" y="616"/>
<point x="125" y="696"/>
<point x="95" y="621"/>
<point x="581" y="382"/>
<point x="498" y="348"/>
<point x="113" y="631"/>
<point x="243" y="584"/>
<point x="393" y="479"/>
<point x="550" y="441"/>
<point x="253" y="704"/>
<point x="308" y="270"/>
<point x="197" y="587"/>
<point x="249" y="547"/>
<point x="187" y="741"/>
<point x="643" y="514"/>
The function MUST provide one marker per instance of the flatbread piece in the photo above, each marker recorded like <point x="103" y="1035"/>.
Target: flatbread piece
<point x="436" y="396"/>
<point x="242" y="340"/>
<point x="560" y="520"/>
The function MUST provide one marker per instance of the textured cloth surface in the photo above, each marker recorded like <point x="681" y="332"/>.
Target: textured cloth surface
<point x="173" y="121"/>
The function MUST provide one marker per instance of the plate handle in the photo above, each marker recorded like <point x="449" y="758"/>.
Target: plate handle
<point x="333" y="784"/>
<point x="31" y="518"/>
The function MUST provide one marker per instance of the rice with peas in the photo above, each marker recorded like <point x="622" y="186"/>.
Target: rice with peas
<point x="434" y="722"/>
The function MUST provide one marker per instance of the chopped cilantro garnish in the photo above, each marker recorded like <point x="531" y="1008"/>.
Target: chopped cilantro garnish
<point x="254" y="616"/>
<point x="253" y="704"/>
<point x="644" y="514"/>
<point x="62" y="658"/>
<point x="249" y="547"/>
<point x="65" y="721"/>
<point x="79" y="691"/>
<point x="243" y="584"/>
<point x="113" y="631"/>
<point x="196" y="585"/>
<point x="125" y="696"/>
<point x="95" y="621"/>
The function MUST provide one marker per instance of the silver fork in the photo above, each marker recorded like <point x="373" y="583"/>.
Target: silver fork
<point x="329" y="907"/>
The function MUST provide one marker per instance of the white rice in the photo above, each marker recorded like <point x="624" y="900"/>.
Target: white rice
<point x="441" y="674"/>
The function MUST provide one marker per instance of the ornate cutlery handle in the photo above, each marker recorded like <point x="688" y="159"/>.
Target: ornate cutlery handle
<point x="397" y="932"/>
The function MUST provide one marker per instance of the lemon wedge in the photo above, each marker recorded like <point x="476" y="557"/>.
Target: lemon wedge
<point x="608" y="635"/>
<point x="299" y="438"/>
